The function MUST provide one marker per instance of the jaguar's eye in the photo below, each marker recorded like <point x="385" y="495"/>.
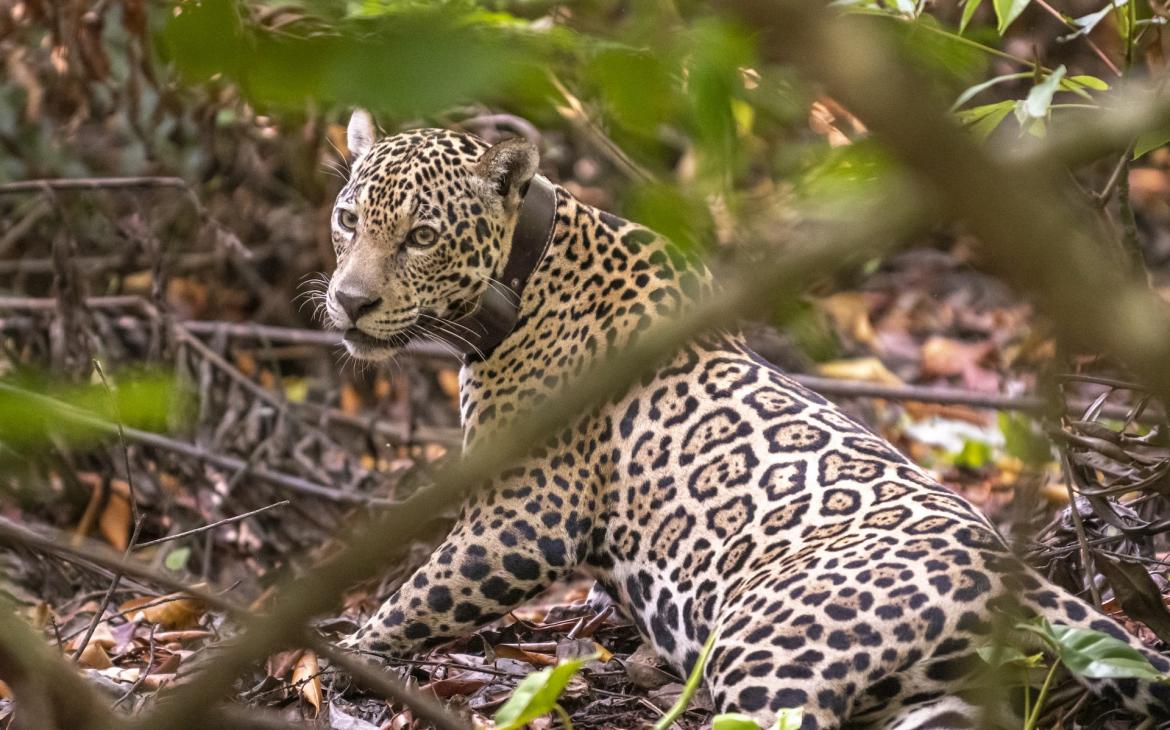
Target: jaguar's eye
<point x="347" y="219"/>
<point x="422" y="237"/>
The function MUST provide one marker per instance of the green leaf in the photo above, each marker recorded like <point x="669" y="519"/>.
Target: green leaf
<point x="537" y="694"/>
<point x="1023" y="441"/>
<point x="1091" y="82"/>
<point x="969" y="8"/>
<point x="786" y="719"/>
<point x="790" y="718"/>
<point x="410" y="62"/>
<point x="1151" y="140"/>
<point x="40" y="411"/>
<point x="1039" y="99"/>
<point x="972" y="91"/>
<point x="974" y="455"/>
<point x="733" y="721"/>
<point x="1094" y="654"/>
<point x="1006" y="11"/>
<point x="1001" y="656"/>
<point x="637" y="86"/>
<point x="983" y="120"/>
<point x="176" y="559"/>
<point x="692" y="685"/>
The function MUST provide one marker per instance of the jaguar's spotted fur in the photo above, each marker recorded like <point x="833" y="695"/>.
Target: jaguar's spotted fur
<point x="846" y="580"/>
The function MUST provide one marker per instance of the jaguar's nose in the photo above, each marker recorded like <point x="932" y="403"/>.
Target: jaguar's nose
<point x="356" y="305"/>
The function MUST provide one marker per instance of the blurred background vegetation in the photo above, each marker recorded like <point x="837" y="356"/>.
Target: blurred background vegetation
<point x="205" y="142"/>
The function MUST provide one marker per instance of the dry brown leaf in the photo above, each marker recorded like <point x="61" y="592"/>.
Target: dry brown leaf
<point x="102" y="636"/>
<point x="173" y="611"/>
<point x="188" y="635"/>
<point x="308" y="672"/>
<point x="95" y="656"/>
<point x="849" y="312"/>
<point x="464" y="684"/>
<point x="820" y="121"/>
<point x="351" y="400"/>
<point x="89" y="517"/>
<point x="449" y="382"/>
<point x="114" y="522"/>
<point x="282" y="662"/>
<point x="868" y="369"/>
<point x="945" y="357"/>
<point x="510" y="651"/>
<point x="157" y="681"/>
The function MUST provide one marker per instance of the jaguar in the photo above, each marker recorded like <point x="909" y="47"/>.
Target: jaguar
<point x="715" y="493"/>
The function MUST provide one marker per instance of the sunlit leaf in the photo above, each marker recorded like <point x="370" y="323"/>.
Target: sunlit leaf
<point x="1000" y="656"/>
<point x="1093" y="654"/>
<point x="637" y="86"/>
<point x="790" y="718"/>
<point x="1022" y="440"/>
<point x="983" y="120"/>
<point x="969" y="8"/>
<point x="1091" y="82"/>
<point x="1086" y="23"/>
<point x="1006" y="12"/>
<point x="29" y="419"/>
<point x="1039" y="99"/>
<point x="733" y="721"/>
<point x="680" y="215"/>
<point x="537" y="694"/>
<point x="1151" y="140"/>
<point x="406" y="63"/>
<point x="176" y="559"/>
<point x="979" y="88"/>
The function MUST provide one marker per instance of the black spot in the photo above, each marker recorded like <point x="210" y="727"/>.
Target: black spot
<point x="494" y="587"/>
<point x="465" y="612"/>
<point x="522" y="567"/>
<point x="753" y="698"/>
<point x="439" y="599"/>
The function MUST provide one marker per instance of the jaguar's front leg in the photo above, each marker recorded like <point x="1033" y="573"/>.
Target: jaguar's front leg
<point x="512" y="540"/>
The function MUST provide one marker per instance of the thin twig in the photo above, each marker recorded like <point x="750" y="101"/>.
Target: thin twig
<point x="135" y="517"/>
<point x="141" y="677"/>
<point x="1072" y="26"/>
<point x="379" y="681"/>
<point x="91" y="183"/>
<point x="212" y="526"/>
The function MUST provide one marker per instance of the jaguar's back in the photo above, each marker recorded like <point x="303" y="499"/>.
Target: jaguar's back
<point x="716" y="493"/>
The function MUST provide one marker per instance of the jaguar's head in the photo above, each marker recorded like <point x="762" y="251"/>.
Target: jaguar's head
<point x="420" y="230"/>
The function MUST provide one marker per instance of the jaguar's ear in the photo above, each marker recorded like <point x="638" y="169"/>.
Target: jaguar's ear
<point x="361" y="133"/>
<point x="507" y="168"/>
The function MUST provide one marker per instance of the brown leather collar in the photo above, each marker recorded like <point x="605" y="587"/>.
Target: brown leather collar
<point x="477" y="334"/>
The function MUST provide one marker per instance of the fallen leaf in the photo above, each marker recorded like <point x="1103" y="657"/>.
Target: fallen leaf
<point x="350" y="400"/>
<point x="173" y="611"/>
<point x="95" y="656"/>
<point x="946" y="357"/>
<point x="460" y="685"/>
<point x="114" y="522"/>
<point x="282" y="662"/>
<point x="849" y="312"/>
<point x="868" y="369"/>
<point x="449" y="382"/>
<point x="510" y="651"/>
<point x="645" y="670"/>
<point x="307" y="674"/>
